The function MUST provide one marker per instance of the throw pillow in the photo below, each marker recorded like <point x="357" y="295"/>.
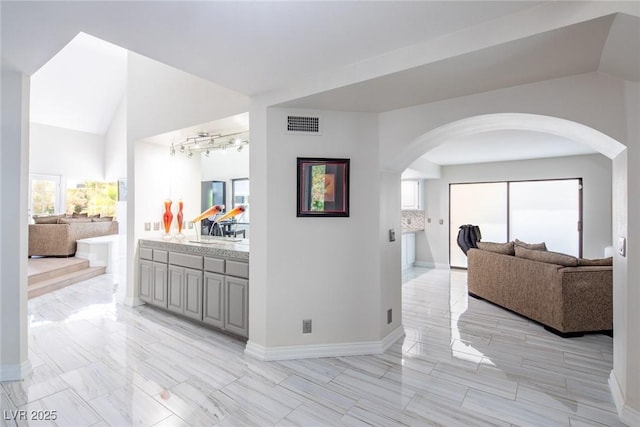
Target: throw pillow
<point x="49" y="219"/>
<point x="599" y="261"/>
<point x="102" y="219"/>
<point x="74" y="220"/>
<point x="534" y="246"/>
<point x="500" y="248"/>
<point x="547" y="256"/>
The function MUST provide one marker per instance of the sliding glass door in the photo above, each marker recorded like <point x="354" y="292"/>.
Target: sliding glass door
<point x="482" y="204"/>
<point x="547" y="211"/>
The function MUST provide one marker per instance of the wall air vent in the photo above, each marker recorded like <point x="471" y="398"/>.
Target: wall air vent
<point x="308" y="125"/>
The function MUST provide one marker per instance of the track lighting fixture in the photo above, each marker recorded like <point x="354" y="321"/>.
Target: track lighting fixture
<point x="207" y="142"/>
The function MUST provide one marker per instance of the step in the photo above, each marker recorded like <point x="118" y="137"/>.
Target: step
<point x="67" y="265"/>
<point x="59" y="282"/>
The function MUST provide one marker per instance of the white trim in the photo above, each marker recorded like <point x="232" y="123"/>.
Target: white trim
<point x="15" y="372"/>
<point x="627" y="415"/>
<point x="427" y="264"/>
<point x="323" y="350"/>
<point x="131" y="302"/>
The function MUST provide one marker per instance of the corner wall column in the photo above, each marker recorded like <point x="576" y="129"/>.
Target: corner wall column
<point x="14" y="181"/>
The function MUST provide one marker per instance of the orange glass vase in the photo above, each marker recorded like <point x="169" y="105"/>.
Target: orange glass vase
<point x="180" y="217"/>
<point x="167" y="217"/>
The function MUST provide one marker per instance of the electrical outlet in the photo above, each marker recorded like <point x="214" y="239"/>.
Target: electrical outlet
<point x="389" y="316"/>
<point x="306" y="326"/>
<point x="441" y="222"/>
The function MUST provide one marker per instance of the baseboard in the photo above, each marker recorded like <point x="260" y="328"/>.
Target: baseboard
<point x="427" y="264"/>
<point x="323" y="350"/>
<point x="627" y="415"/>
<point x="15" y="372"/>
<point x="131" y="301"/>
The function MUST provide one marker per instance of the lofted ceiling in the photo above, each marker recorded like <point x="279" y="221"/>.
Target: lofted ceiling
<point x="258" y="48"/>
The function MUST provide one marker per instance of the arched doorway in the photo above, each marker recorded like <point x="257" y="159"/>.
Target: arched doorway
<point x="600" y="142"/>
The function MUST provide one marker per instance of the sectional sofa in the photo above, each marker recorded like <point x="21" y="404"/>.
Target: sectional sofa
<point x="58" y="238"/>
<point x="569" y="296"/>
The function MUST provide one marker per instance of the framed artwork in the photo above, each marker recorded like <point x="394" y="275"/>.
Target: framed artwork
<point x="323" y="187"/>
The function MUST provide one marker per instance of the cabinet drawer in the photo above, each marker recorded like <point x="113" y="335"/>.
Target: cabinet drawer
<point x="145" y="253"/>
<point x="214" y="265"/>
<point x="160" y="256"/>
<point x="238" y="269"/>
<point x="184" y="260"/>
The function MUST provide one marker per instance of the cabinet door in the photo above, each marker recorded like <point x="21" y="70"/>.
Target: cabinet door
<point x="159" y="290"/>
<point x="213" y="300"/>
<point x="145" y="280"/>
<point x="236" y="305"/>
<point x="175" y="293"/>
<point x="193" y="293"/>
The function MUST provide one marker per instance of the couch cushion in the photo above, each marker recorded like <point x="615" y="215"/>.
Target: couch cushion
<point x="534" y="246"/>
<point x="547" y="256"/>
<point x="73" y="220"/>
<point x="500" y="248"/>
<point x="596" y="262"/>
<point x="102" y="219"/>
<point x="48" y="219"/>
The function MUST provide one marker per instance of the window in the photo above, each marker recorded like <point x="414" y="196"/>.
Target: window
<point x="44" y="198"/>
<point x="410" y="195"/>
<point x="547" y="211"/>
<point x="92" y="197"/>
<point x="240" y="196"/>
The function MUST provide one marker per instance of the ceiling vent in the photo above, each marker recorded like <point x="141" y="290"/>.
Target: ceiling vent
<point x="308" y="125"/>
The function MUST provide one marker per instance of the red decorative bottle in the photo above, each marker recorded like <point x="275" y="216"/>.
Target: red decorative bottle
<point x="180" y="217"/>
<point x="167" y="217"/>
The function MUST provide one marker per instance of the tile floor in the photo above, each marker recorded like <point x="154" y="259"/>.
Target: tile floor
<point x="463" y="362"/>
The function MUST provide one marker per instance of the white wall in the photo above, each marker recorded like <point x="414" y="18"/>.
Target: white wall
<point x="72" y="154"/>
<point x="14" y="179"/>
<point x="432" y="245"/>
<point x="324" y="269"/>
<point x="593" y="99"/>
<point x="162" y="99"/>
<point x="115" y="147"/>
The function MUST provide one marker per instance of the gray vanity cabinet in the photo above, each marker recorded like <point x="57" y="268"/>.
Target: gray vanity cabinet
<point x="211" y="286"/>
<point x="159" y="288"/>
<point x="152" y="271"/>
<point x="214" y="299"/>
<point x="185" y="291"/>
<point x="145" y="275"/>
<point x="237" y="305"/>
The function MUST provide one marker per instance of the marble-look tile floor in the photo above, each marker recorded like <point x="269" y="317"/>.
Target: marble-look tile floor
<point x="463" y="362"/>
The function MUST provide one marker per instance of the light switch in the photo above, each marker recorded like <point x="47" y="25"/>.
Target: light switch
<point x="622" y="246"/>
<point x="392" y="235"/>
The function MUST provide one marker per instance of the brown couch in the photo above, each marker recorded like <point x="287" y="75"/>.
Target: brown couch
<point x="568" y="300"/>
<point x="60" y="239"/>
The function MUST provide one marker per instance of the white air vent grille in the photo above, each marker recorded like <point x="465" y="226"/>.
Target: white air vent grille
<point x="303" y="124"/>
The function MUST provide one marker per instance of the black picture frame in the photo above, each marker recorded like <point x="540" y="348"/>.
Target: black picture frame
<point x="322" y="187"/>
